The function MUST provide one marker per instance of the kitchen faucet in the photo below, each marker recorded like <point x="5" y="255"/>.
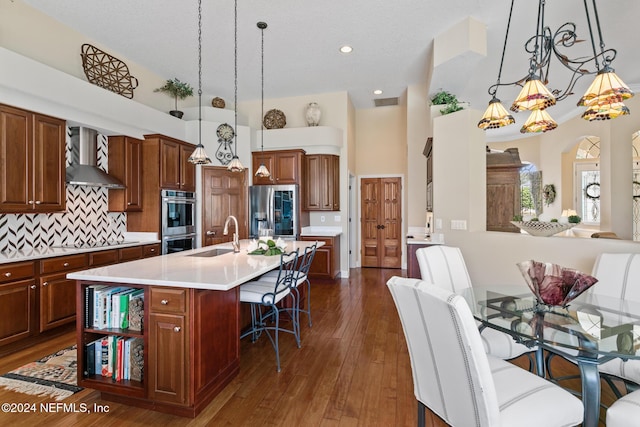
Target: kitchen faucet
<point x="235" y="242"/>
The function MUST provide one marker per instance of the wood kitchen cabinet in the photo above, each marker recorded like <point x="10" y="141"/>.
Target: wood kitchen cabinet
<point x="322" y="183"/>
<point x="18" y="291"/>
<point x="57" y="293"/>
<point x="32" y="162"/>
<point x="184" y="368"/>
<point x="326" y="261"/>
<point x="125" y="164"/>
<point x="176" y="172"/>
<point x="285" y="166"/>
<point x="165" y="166"/>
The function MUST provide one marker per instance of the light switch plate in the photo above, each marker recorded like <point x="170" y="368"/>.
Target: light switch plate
<point x="458" y="224"/>
<point x="438" y="223"/>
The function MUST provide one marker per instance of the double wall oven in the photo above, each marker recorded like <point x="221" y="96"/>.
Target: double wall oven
<point x="178" y="215"/>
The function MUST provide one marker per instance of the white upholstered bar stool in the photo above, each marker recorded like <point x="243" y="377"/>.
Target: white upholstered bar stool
<point x="455" y="378"/>
<point x="264" y="297"/>
<point x="625" y="412"/>
<point x="444" y="266"/>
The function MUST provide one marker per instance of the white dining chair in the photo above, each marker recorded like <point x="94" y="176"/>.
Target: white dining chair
<point x="444" y="266"/>
<point x="456" y="379"/>
<point x="625" y="412"/>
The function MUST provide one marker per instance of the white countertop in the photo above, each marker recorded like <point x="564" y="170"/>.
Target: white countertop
<point x="32" y="254"/>
<point x="220" y="273"/>
<point x="421" y="241"/>
<point x="321" y="231"/>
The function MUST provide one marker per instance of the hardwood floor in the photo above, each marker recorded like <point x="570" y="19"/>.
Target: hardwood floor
<point x="352" y="370"/>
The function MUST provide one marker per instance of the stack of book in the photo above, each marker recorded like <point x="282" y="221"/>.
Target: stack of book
<point x="108" y="307"/>
<point x="115" y="357"/>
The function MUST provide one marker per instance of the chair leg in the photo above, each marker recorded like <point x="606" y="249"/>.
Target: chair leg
<point x="422" y="416"/>
<point x="308" y="311"/>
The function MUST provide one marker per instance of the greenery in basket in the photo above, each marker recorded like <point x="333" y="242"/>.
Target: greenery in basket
<point x="553" y="220"/>
<point x="534" y="219"/>
<point x="517" y="218"/>
<point x="177" y="89"/>
<point x="574" y="219"/>
<point x="447" y="99"/>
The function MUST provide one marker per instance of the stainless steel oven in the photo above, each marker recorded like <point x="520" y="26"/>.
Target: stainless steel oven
<point x="172" y="244"/>
<point x="178" y="212"/>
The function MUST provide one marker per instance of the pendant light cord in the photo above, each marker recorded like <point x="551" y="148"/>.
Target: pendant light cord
<point x="199" y="73"/>
<point x="504" y="48"/>
<point x="262" y="87"/>
<point x="235" y="77"/>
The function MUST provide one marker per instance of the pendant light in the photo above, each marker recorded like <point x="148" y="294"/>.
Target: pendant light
<point x="262" y="171"/>
<point x="199" y="156"/>
<point x="235" y="165"/>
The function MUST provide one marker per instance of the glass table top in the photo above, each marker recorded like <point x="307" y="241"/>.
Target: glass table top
<point x="591" y="324"/>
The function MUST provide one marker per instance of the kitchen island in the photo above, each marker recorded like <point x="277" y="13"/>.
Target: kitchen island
<point x="191" y="324"/>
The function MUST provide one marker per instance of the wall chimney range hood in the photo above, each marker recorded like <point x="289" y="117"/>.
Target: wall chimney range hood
<point x="84" y="157"/>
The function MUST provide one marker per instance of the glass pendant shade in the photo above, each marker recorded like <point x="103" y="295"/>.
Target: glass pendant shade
<point x="199" y="156"/>
<point x="235" y="165"/>
<point x="533" y="96"/>
<point x="607" y="88"/>
<point x="262" y="171"/>
<point x="538" y="121"/>
<point x="495" y="116"/>
<point x="605" y="112"/>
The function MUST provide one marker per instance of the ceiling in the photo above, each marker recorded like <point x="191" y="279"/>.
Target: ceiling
<point x="391" y="40"/>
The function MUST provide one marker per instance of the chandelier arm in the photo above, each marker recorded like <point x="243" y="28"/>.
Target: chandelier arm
<point x="595" y="12"/>
<point x="593" y="44"/>
<point x="504" y="47"/>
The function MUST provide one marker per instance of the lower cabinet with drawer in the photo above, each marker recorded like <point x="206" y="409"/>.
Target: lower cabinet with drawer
<point x="18" y="291"/>
<point x="191" y="348"/>
<point x="326" y="261"/>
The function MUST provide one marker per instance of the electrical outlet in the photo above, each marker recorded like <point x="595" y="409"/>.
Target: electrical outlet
<point x="438" y="223"/>
<point x="322" y="218"/>
<point x="337" y="218"/>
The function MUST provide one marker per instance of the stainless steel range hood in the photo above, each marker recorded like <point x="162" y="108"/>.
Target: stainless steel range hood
<point x="84" y="169"/>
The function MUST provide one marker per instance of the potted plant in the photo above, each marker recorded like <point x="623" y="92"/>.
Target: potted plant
<point x="447" y="99"/>
<point x="177" y="89"/>
<point x="574" y="219"/>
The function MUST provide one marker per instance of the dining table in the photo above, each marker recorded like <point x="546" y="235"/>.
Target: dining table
<point x="589" y="331"/>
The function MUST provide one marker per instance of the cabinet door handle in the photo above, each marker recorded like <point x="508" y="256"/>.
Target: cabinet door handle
<point x="38" y="202"/>
<point x="152" y="250"/>
<point x="211" y="233"/>
<point x="182" y="184"/>
<point x="128" y="203"/>
<point x="66" y="264"/>
<point x="177" y="183"/>
<point x="45" y="283"/>
<point x="7" y="274"/>
<point x="32" y="286"/>
<point x="176" y="329"/>
<point x="164" y="302"/>
<point x="30" y="202"/>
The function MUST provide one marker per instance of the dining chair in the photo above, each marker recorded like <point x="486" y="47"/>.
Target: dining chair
<point x="264" y="296"/>
<point x="302" y="276"/>
<point x="444" y="266"/>
<point x="618" y="275"/>
<point x="625" y="412"/>
<point x="456" y="379"/>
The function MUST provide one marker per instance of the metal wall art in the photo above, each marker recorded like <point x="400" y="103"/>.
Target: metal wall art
<point x="107" y="71"/>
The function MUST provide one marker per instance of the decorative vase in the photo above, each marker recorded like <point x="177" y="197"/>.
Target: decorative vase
<point x="176" y="113"/>
<point x="218" y="102"/>
<point x="313" y="114"/>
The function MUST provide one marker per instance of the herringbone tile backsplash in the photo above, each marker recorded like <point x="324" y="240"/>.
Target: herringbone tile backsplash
<point x="86" y="218"/>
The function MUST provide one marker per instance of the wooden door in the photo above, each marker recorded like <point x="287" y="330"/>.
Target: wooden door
<point x="16" y="179"/>
<point x="312" y="183"/>
<point x="133" y="177"/>
<point x="17" y="305"/>
<point x="287" y="167"/>
<point x="49" y="164"/>
<point x="381" y="222"/>
<point x="225" y="193"/>
<point x="187" y="169"/>
<point x="167" y="358"/>
<point x="57" y="301"/>
<point x="169" y="165"/>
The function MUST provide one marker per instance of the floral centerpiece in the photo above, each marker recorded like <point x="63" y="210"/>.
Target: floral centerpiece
<point x="266" y="247"/>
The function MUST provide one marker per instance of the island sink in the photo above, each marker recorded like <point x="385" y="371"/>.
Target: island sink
<point x="213" y="252"/>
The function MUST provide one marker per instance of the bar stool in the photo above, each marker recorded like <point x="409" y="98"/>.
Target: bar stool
<point x="264" y="297"/>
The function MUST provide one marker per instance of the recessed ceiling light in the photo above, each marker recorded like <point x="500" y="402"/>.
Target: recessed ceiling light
<point x="346" y="49"/>
<point x="377" y="92"/>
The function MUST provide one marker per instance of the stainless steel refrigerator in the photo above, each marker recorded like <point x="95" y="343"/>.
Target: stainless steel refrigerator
<point x="275" y="207"/>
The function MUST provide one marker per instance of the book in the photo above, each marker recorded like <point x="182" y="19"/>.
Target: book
<point x="136" y="310"/>
<point x="117" y="370"/>
<point x="136" y="359"/>
<point x="90" y="359"/>
<point x="98" y="352"/>
<point x="104" y="352"/>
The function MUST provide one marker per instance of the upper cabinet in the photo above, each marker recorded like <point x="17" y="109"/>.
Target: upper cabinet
<point x="321" y="183"/>
<point x="165" y="166"/>
<point x="285" y="166"/>
<point x="176" y="172"/>
<point x="125" y="163"/>
<point x="32" y="162"/>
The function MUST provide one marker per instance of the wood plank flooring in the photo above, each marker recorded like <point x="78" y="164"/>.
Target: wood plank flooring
<point x="352" y="370"/>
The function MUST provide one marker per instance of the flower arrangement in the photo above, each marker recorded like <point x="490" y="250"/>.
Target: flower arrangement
<point x="266" y="247"/>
